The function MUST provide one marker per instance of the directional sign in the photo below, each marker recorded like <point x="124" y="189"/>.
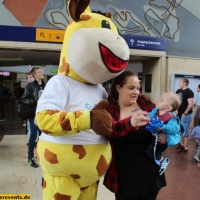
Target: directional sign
<point x="49" y="35"/>
<point x="123" y="35"/>
<point x="143" y="42"/>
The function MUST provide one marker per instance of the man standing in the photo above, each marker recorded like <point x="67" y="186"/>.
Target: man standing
<point x="31" y="96"/>
<point x="185" y="111"/>
<point x="197" y="108"/>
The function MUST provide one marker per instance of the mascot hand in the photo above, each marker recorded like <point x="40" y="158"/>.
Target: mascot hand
<point x="101" y="121"/>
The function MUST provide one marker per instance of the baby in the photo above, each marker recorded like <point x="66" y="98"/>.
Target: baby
<point x="165" y="106"/>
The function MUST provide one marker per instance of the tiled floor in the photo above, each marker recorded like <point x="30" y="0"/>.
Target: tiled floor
<point x="16" y="177"/>
<point x="182" y="174"/>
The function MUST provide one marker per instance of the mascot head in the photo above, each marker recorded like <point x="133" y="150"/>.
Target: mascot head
<point x="93" y="51"/>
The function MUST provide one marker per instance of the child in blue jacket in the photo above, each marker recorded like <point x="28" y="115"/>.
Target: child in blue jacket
<point x="195" y="136"/>
<point x="165" y="106"/>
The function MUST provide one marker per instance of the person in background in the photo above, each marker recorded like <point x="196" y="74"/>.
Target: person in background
<point x="31" y="96"/>
<point x="197" y="107"/>
<point x="195" y="136"/>
<point x="165" y="106"/>
<point x="185" y="111"/>
<point x="131" y="175"/>
<point x="30" y="79"/>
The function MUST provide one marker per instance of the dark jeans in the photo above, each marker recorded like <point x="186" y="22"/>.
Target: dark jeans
<point x="33" y="136"/>
<point x="149" y="196"/>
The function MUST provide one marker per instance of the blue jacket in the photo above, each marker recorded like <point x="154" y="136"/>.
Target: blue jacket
<point x="171" y="128"/>
<point x="195" y="132"/>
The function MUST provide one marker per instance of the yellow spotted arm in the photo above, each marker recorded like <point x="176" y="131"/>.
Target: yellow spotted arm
<point x="56" y="123"/>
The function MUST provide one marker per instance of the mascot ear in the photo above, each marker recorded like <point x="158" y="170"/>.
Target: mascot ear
<point x="77" y="7"/>
<point x="108" y="14"/>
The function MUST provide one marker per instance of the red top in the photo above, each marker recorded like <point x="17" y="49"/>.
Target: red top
<point x="120" y="128"/>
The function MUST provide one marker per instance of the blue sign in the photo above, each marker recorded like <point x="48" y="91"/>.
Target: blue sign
<point x="18" y="33"/>
<point x="143" y="42"/>
<point x="124" y="36"/>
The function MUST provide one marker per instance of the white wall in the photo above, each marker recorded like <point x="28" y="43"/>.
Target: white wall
<point x="135" y="67"/>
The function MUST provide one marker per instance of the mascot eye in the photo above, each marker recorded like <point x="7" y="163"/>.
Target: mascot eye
<point x="105" y="24"/>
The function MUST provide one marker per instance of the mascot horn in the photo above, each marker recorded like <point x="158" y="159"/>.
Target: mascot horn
<point x="73" y="150"/>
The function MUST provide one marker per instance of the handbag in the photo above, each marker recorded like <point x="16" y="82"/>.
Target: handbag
<point x="24" y="111"/>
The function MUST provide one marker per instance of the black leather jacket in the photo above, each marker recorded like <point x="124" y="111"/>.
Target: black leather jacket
<point x="30" y="96"/>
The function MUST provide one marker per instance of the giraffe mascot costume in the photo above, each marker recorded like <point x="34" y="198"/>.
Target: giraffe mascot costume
<point x="73" y="150"/>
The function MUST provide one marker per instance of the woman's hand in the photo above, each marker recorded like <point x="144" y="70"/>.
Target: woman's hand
<point x="162" y="138"/>
<point x="139" y="118"/>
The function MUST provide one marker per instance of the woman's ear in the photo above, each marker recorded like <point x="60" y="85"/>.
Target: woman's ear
<point x="77" y="7"/>
<point x="118" y="88"/>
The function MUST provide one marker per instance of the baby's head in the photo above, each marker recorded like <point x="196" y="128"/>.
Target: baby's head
<point x="169" y="101"/>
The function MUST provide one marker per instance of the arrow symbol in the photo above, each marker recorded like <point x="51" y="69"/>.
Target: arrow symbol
<point x="42" y="35"/>
<point x="132" y="41"/>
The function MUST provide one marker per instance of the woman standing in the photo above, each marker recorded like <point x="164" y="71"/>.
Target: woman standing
<point x="132" y="175"/>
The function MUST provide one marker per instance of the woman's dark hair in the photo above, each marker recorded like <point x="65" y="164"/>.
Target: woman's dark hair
<point x="119" y="80"/>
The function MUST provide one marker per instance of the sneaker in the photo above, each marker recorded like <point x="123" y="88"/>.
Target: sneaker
<point x="163" y="165"/>
<point x="196" y="158"/>
<point x="32" y="163"/>
<point x="180" y="146"/>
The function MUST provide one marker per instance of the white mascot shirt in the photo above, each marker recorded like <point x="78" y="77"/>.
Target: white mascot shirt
<point x="66" y="94"/>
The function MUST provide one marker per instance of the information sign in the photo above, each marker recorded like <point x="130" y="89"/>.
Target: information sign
<point x="143" y="42"/>
<point x="49" y="35"/>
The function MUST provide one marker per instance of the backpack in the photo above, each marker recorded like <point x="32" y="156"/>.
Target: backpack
<point x="24" y="111"/>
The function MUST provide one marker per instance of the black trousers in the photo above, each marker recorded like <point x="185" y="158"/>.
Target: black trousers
<point x="149" y="196"/>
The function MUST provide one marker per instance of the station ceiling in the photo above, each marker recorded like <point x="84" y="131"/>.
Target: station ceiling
<point x="18" y="57"/>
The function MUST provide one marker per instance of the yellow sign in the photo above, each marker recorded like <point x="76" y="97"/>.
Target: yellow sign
<point x="15" y="196"/>
<point x="49" y="35"/>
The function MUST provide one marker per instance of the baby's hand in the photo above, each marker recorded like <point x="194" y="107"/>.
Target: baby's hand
<point x="159" y="128"/>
